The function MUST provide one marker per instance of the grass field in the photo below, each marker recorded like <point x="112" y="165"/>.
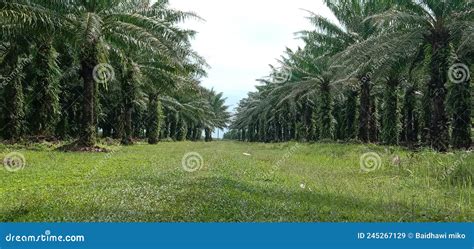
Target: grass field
<point x="237" y="182"/>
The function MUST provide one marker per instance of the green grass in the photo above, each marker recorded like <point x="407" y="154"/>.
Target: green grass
<point x="277" y="182"/>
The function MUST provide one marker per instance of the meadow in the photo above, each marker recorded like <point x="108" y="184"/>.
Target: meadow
<point x="237" y="182"/>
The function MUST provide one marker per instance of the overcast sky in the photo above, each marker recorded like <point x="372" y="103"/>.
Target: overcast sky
<point x="239" y="39"/>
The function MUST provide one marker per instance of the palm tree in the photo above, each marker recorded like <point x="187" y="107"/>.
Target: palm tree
<point x="336" y="37"/>
<point x="98" y="27"/>
<point x="44" y="107"/>
<point x="12" y="65"/>
<point x="166" y="77"/>
<point x="385" y="50"/>
<point x="415" y="25"/>
<point x="220" y="114"/>
<point x="20" y="19"/>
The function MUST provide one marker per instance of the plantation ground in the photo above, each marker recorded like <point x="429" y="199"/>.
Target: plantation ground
<point x="277" y="182"/>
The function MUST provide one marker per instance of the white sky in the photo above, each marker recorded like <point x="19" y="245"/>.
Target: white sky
<point x="239" y="39"/>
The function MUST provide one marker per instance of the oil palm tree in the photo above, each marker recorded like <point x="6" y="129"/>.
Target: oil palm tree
<point x="350" y="29"/>
<point x="98" y="27"/>
<point x="18" y="20"/>
<point x="432" y="26"/>
<point x="220" y="116"/>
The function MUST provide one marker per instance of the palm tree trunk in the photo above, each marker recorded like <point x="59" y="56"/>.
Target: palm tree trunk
<point x="307" y="120"/>
<point x="208" y="134"/>
<point x="128" y="129"/>
<point x="350" y="115"/>
<point x="14" y="110"/>
<point x="127" y="98"/>
<point x="45" y="105"/>
<point x="410" y="133"/>
<point x="154" y="114"/>
<point x="173" y="128"/>
<point x="390" y="113"/>
<point x="373" y="122"/>
<point x="278" y="135"/>
<point x="325" y="116"/>
<point x="197" y="134"/>
<point x="250" y="133"/>
<point x="118" y="129"/>
<point x="439" y="137"/>
<point x="88" y="130"/>
<point x="189" y="133"/>
<point x="181" y="130"/>
<point x="426" y="116"/>
<point x="293" y="131"/>
<point x="261" y="130"/>
<point x="364" y="113"/>
<point x="107" y="131"/>
<point x="461" y="116"/>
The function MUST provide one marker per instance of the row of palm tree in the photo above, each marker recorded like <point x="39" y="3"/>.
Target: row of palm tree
<point x="387" y="71"/>
<point x="120" y="68"/>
